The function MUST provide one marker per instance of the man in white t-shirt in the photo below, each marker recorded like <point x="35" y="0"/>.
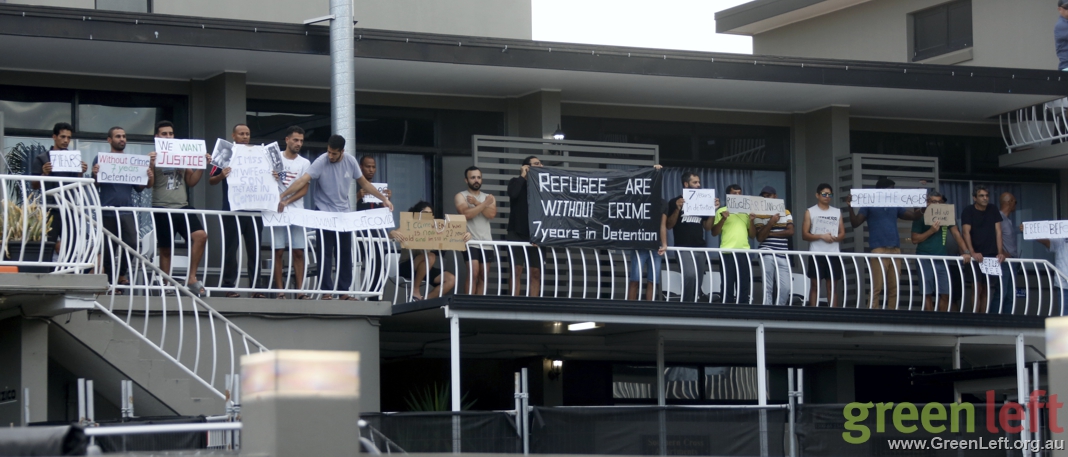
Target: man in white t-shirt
<point x="294" y="166"/>
<point x="1059" y="248"/>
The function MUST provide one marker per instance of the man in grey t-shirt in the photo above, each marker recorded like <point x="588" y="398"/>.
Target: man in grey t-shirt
<point x="1011" y="248"/>
<point x="335" y="171"/>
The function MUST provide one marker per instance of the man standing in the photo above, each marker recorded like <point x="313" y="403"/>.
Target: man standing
<point x="1059" y="248"/>
<point x="1060" y="35"/>
<point x="931" y="240"/>
<point x="478" y="207"/>
<point x="823" y="228"/>
<point x="121" y="223"/>
<point x="334" y="172"/>
<point x="882" y="239"/>
<point x="41" y="165"/>
<point x="170" y="191"/>
<point x="519" y="230"/>
<point x="1010" y="243"/>
<point x="773" y="233"/>
<point x="294" y="166"/>
<point x="689" y="232"/>
<point x="734" y="231"/>
<point x="250" y="228"/>
<point x="372" y="257"/>
<point x="982" y="236"/>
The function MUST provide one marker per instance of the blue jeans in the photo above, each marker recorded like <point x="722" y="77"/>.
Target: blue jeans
<point x="1003" y="304"/>
<point x="647" y="262"/>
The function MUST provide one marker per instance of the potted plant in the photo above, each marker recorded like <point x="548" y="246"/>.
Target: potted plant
<point x="27" y="225"/>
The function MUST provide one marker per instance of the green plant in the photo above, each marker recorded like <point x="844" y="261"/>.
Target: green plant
<point x="17" y="162"/>
<point x="25" y="223"/>
<point x="433" y="398"/>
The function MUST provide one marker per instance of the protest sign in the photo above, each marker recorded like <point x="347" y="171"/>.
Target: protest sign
<point x="274" y="155"/>
<point x="990" y="266"/>
<point x="380" y="218"/>
<point x="65" y="161"/>
<point x="220" y="156"/>
<point x="761" y="206"/>
<point x="422" y="231"/>
<point x="1045" y="230"/>
<point x="251" y="186"/>
<point x="120" y="168"/>
<point x="699" y="202"/>
<point x="941" y="213"/>
<point x="616" y="208"/>
<point x="888" y="198"/>
<point x="820" y="225"/>
<point x="381" y="186"/>
<point x="172" y="153"/>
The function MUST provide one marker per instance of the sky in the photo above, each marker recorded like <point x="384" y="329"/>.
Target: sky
<point x="666" y="24"/>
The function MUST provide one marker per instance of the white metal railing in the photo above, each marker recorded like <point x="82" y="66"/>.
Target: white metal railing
<point x="764" y="278"/>
<point x="49" y="228"/>
<point x="1035" y="125"/>
<point x="156" y="310"/>
<point x="224" y="266"/>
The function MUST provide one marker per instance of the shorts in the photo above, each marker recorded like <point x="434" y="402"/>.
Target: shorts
<point x="645" y="261"/>
<point x="167" y="224"/>
<point x="406" y="272"/>
<point x="935" y="277"/>
<point x="828" y="267"/>
<point x="479" y="254"/>
<point x="281" y="236"/>
<point x="527" y="255"/>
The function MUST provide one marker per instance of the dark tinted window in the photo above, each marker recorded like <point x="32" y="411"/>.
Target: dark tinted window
<point x="942" y="29"/>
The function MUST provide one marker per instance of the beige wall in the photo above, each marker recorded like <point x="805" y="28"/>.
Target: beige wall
<point x="90" y="4"/>
<point x="1016" y="33"/>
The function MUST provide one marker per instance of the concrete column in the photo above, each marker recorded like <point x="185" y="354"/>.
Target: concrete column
<point x="539" y="114"/>
<point x="24" y="349"/>
<point x="225" y="105"/>
<point x="819" y="138"/>
<point x="197" y="123"/>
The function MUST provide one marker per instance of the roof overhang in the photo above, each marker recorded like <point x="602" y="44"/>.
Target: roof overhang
<point x="762" y="15"/>
<point x="61" y="40"/>
<point x="1046" y="157"/>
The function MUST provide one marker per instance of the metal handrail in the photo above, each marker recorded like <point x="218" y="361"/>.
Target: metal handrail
<point x="73" y="205"/>
<point x="1026" y="127"/>
<point x="162" y="428"/>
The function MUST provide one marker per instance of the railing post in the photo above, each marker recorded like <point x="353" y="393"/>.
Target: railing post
<point x="762" y="393"/>
<point x="660" y="394"/>
<point x="454" y="352"/>
<point x="1021" y="389"/>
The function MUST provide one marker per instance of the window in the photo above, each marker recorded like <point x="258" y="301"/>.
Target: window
<point x="130" y="6"/>
<point x="941" y="29"/>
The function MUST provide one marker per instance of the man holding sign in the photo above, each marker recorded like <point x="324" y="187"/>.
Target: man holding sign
<point x="734" y="231"/>
<point x="931" y="240"/>
<point x="364" y="202"/>
<point x="41" y="165"/>
<point x="774" y="232"/>
<point x="293" y="167"/>
<point x="334" y="171"/>
<point x="1059" y="248"/>
<point x="170" y="191"/>
<point x="121" y="223"/>
<point x="689" y="231"/>
<point x="883" y="239"/>
<point x="982" y="237"/>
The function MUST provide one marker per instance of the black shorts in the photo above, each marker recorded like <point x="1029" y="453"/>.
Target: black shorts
<point x="482" y="255"/>
<point x="167" y="224"/>
<point x="828" y="267"/>
<point x="523" y="256"/>
<point x="406" y="272"/>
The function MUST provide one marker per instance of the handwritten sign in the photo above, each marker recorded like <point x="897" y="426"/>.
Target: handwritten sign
<point x="220" y="156"/>
<point x="699" y="202"/>
<point x="380" y="218"/>
<point x="119" y="168"/>
<point x="888" y="198"/>
<point x="1045" y="230"/>
<point x="990" y="266"/>
<point x="65" y="161"/>
<point x="820" y="225"/>
<point x="941" y="213"/>
<point x="251" y="185"/>
<point x="422" y="231"/>
<point x="381" y="186"/>
<point x="755" y="205"/>
<point x="172" y="153"/>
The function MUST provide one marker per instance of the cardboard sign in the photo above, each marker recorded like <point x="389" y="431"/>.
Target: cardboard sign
<point x="941" y="213"/>
<point x="820" y="225"/>
<point x="699" y="202"/>
<point x="422" y="231"/>
<point x="888" y="198"/>
<point x="119" y="168"/>
<point x="379" y="218"/>
<point x="66" y="161"/>
<point x="381" y="186"/>
<point x="220" y="156"/>
<point x="990" y="266"/>
<point x="251" y="185"/>
<point x="1045" y="230"/>
<point x="172" y="153"/>
<point x="761" y="206"/>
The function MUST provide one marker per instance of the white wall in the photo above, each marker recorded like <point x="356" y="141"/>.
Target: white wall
<point x="90" y="4"/>
<point x="1016" y="33"/>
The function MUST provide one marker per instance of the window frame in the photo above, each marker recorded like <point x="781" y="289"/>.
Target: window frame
<point x="950" y="45"/>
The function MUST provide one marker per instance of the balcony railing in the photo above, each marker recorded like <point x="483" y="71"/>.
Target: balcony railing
<point x="49" y="224"/>
<point x="1037" y="125"/>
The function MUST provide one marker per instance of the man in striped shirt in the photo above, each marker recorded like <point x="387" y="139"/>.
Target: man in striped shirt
<point x="773" y="233"/>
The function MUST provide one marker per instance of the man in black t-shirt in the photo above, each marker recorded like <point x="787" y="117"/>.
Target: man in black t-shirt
<point x="519" y="230"/>
<point x="982" y="235"/>
<point x="689" y="232"/>
<point x="41" y="165"/>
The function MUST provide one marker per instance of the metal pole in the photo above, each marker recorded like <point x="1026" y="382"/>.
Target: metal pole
<point x="956" y="366"/>
<point x="81" y="400"/>
<point x="129" y="399"/>
<point x="791" y="394"/>
<point x="343" y="76"/>
<point x="526" y="414"/>
<point x="1036" y="426"/>
<point x="762" y="392"/>
<point x="518" y="411"/>
<point x="122" y="399"/>
<point x="90" y="408"/>
<point x="660" y="394"/>
<point x="26" y="405"/>
<point x="454" y="353"/>
<point x="1021" y="388"/>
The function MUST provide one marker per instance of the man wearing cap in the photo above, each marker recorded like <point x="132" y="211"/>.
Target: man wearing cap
<point x="883" y="239"/>
<point x="1060" y="35"/>
<point x="773" y="233"/>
